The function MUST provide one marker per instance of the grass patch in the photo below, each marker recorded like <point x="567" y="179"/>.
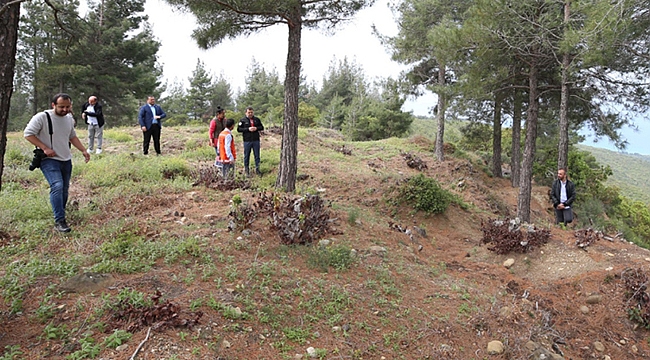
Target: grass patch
<point x="339" y="257"/>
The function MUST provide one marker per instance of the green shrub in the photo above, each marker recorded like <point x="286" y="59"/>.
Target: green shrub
<point x="424" y="194"/>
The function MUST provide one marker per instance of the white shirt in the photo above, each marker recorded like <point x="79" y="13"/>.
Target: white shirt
<point x="563" y="197"/>
<point x="92" y="120"/>
<point x="153" y="111"/>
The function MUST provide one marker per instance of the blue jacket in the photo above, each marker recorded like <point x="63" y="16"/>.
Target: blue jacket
<point x="145" y="117"/>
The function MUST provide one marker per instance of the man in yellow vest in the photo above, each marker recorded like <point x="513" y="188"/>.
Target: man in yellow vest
<point x="227" y="154"/>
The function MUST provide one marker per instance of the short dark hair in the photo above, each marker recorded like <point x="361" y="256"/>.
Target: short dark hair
<point x="220" y="110"/>
<point x="250" y="108"/>
<point x="58" y="96"/>
<point x="230" y="123"/>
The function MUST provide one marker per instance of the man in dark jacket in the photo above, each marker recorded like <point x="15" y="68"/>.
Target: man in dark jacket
<point x="250" y="127"/>
<point x="92" y="114"/>
<point x="150" y="118"/>
<point x="563" y="193"/>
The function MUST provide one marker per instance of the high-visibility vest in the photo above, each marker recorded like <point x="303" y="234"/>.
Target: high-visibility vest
<point x="222" y="145"/>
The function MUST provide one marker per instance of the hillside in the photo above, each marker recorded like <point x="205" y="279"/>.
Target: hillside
<point x="369" y="292"/>
<point x="631" y="172"/>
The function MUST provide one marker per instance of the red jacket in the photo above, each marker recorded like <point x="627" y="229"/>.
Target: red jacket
<point x="216" y="127"/>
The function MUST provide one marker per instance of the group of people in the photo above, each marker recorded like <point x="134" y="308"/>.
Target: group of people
<point x="53" y="133"/>
<point x="222" y="139"/>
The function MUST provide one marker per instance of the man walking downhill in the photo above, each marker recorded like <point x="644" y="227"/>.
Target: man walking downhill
<point x="227" y="153"/>
<point x="563" y="193"/>
<point x="92" y="113"/>
<point x="150" y="118"/>
<point x="52" y="131"/>
<point x="250" y="127"/>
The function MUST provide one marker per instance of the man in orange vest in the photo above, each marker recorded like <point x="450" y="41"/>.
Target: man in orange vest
<point x="227" y="154"/>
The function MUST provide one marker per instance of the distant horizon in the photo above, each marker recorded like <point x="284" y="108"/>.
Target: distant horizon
<point x="637" y="143"/>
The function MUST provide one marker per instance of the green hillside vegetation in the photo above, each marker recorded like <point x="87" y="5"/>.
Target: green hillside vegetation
<point x="630" y="172"/>
<point x="398" y="239"/>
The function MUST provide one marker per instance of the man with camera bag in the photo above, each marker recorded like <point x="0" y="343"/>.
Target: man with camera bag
<point x="52" y="131"/>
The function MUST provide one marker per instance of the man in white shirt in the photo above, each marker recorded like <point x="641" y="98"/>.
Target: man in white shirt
<point x="563" y="193"/>
<point x="92" y="113"/>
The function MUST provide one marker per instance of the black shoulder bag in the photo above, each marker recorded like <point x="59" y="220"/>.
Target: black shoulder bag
<point x="39" y="154"/>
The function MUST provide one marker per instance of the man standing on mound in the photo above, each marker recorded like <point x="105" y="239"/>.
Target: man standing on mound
<point x="563" y="193"/>
<point x="150" y="118"/>
<point x="250" y="127"/>
<point x="52" y="131"/>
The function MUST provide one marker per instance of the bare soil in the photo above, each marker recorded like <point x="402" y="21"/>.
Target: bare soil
<point x="443" y="296"/>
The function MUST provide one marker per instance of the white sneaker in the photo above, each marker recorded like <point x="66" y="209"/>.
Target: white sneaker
<point x="99" y="151"/>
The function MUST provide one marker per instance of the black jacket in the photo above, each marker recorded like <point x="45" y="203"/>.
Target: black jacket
<point x="243" y="126"/>
<point x="98" y="113"/>
<point x="557" y="188"/>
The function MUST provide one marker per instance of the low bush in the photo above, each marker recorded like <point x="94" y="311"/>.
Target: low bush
<point x="423" y="194"/>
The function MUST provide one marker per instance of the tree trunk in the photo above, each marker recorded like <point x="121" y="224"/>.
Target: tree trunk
<point x="442" y="104"/>
<point x="289" y="150"/>
<point x="496" y="137"/>
<point x="525" y="189"/>
<point x="8" y="42"/>
<point x="515" y="159"/>
<point x="563" y="147"/>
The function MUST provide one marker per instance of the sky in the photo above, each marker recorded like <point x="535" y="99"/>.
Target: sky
<point x="179" y="53"/>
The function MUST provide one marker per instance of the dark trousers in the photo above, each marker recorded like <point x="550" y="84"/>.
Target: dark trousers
<point x="563" y="216"/>
<point x="255" y="146"/>
<point x="153" y="131"/>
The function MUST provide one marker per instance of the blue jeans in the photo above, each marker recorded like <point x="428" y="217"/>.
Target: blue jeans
<point x="255" y="146"/>
<point x="57" y="173"/>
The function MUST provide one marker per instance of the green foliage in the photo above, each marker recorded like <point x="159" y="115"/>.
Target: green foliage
<point x="307" y="114"/>
<point x="423" y="194"/>
<point x="629" y="172"/>
<point x="89" y="350"/>
<point x="263" y="92"/>
<point x="117" y="338"/>
<point x="118" y="72"/>
<point x="636" y="215"/>
<point x="339" y="257"/>
<point x="198" y="95"/>
<point x="16" y="157"/>
<point x="51" y="332"/>
<point x="476" y="137"/>
<point x="128" y="296"/>
<point x="11" y="352"/>
<point x="297" y="334"/>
